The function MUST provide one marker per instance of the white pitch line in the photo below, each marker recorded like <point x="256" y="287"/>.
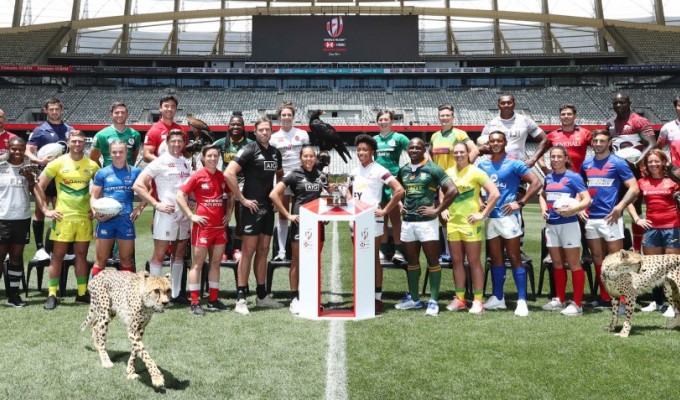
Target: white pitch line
<point x="336" y="369"/>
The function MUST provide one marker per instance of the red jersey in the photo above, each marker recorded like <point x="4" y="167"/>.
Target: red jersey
<point x="631" y="130"/>
<point x="159" y="132"/>
<point x="5" y="136"/>
<point x="576" y="143"/>
<point x="661" y="208"/>
<point x="209" y="190"/>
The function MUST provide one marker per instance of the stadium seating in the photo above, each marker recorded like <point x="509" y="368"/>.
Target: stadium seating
<point x="649" y="46"/>
<point x="25" y="48"/>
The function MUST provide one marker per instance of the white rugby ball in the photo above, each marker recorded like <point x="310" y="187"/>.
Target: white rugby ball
<point x="630" y="154"/>
<point x="107" y="207"/>
<point x="51" y="150"/>
<point x="564" y="202"/>
<point x="482" y="140"/>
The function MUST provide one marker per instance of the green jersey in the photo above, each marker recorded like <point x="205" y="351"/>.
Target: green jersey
<point x="103" y="138"/>
<point x="421" y="186"/>
<point x="228" y="149"/>
<point x="390" y="149"/>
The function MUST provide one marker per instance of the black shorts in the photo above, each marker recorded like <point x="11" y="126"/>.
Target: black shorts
<point x="260" y="223"/>
<point x="51" y="190"/>
<point x="15" y="231"/>
<point x="295" y="232"/>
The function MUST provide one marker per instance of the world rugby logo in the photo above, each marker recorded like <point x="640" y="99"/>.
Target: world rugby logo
<point x="334" y="27"/>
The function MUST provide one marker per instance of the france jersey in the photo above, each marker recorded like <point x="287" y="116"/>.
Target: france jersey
<point x="507" y="175"/>
<point x="557" y="186"/>
<point x="116" y="183"/>
<point x="604" y="178"/>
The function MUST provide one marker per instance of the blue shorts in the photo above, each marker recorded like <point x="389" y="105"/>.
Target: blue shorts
<point x="119" y="227"/>
<point x="668" y="238"/>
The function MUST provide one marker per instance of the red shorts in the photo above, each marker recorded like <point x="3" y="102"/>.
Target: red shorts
<point x="208" y="236"/>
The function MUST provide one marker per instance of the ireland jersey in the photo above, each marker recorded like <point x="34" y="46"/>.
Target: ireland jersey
<point x="421" y="184"/>
<point x="107" y="135"/>
<point x="390" y="149"/>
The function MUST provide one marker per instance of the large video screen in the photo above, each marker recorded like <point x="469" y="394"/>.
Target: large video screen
<point x="335" y="38"/>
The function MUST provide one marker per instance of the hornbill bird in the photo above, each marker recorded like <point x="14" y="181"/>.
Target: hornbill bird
<point x="325" y="136"/>
<point x="202" y="135"/>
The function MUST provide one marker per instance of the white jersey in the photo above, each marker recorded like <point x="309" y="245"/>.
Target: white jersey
<point x="368" y="183"/>
<point x="169" y="173"/>
<point x="15" y="202"/>
<point x="516" y="130"/>
<point x="289" y="144"/>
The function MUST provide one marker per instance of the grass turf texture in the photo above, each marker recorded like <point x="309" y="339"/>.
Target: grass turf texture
<point x="402" y="354"/>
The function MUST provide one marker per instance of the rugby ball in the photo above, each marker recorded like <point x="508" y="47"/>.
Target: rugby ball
<point x="51" y="150"/>
<point x="107" y="207"/>
<point x="564" y="202"/>
<point x="630" y="154"/>
<point x="482" y="140"/>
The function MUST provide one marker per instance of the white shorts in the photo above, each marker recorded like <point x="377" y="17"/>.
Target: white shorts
<point x="600" y="229"/>
<point x="507" y="227"/>
<point x="420" y="231"/>
<point x="566" y="236"/>
<point x="170" y="227"/>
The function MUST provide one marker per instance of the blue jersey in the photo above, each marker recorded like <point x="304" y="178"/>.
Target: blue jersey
<point x="557" y="186"/>
<point x="604" y="178"/>
<point x="507" y="175"/>
<point x="116" y="183"/>
<point x="48" y="133"/>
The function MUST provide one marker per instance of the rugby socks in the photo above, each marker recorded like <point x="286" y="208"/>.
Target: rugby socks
<point x="520" y="276"/>
<point x="603" y="291"/>
<point x="193" y="292"/>
<point x="176" y="271"/>
<point x="378" y="292"/>
<point x="14" y="274"/>
<point x="54" y="284"/>
<point x="498" y="276"/>
<point x="39" y="233"/>
<point x="435" y="281"/>
<point x="213" y="291"/>
<point x="241" y="292"/>
<point x="413" y="277"/>
<point x="95" y="270"/>
<point x="560" y="275"/>
<point x="82" y="285"/>
<point x="460" y="293"/>
<point x="282" y="235"/>
<point x="478" y="295"/>
<point x="578" y="280"/>
<point x="127" y="269"/>
<point x="155" y="268"/>
<point x="261" y="291"/>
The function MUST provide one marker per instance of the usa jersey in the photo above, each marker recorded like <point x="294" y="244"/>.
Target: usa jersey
<point x="368" y="183"/>
<point x="604" y="178"/>
<point x="558" y="186"/>
<point x="507" y="175"/>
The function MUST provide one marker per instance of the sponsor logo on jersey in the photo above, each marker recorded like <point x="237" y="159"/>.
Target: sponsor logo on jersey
<point x="270" y="165"/>
<point x="312" y="187"/>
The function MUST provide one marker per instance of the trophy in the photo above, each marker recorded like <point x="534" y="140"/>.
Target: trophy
<point x="338" y="184"/>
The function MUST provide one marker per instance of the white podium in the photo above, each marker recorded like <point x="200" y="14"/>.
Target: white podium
<point x="310" y="259"/>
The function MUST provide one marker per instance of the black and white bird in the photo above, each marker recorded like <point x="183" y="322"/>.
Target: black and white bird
<point x="325" y="136"/>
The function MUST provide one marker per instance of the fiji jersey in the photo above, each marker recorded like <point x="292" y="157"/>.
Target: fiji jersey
<point x="259" y="166"/>
<point x="72" y="179"/>
<point x="604" y="178"/>
<point x="209" y="189"/>
<point x="507" y="175"/>
<point x="442" y="146"/>
<point x="670" y="134"/>
<point x="14" y="192"/>
<point x="516" y="130"/>
<point x="576" y="143"/>
<point x="421" y="184"/>
<point x="661" y="209"/>
<point x="305" y="185"/>
<point x="390" y="149"/>
<point x="469" y="182"/>
<point x="557" y="186"/>
<point x="168" y="173"/>
<point x="116" y="183"/>
<point x="5" y="136"/>
<point x="290" y="144"/>
<point x="368" y="183"/>
<point x="129" y="136"/>
<point x="631" y="130"/>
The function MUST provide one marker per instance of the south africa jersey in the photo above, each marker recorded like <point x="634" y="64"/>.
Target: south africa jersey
<point x="421" y="184"/>
<point x="517" y="129"/>
<point x="442" y="146"/>
<point x="507" y="175"/>
<point x="670" y="134"/>
<point x="368" y="182"/>
<point x="604" y="178"/>
<point x="631" y="130"/>
<point x="259" y="166"/>
<point x="15" y="202"/>
<point x="72" y="179"/>
<point x="168" y="173"/>
<point x="557" y="186"/>
<point x="659" y="196"/>
<point x="305" y="185"/>
<point x="469" y="182"/>
<point x="129" y="136"/>
<point x="289" y="144"/>
<point x="209" y="189"/>
<point x="116" y="183"/>
<point x="390" y="149"/>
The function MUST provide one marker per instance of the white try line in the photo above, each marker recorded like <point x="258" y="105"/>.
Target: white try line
<point x="336" y="368"/>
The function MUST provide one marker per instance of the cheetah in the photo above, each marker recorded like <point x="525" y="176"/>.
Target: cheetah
<point x="134" y="298"/>
<point x="628" y="274"/>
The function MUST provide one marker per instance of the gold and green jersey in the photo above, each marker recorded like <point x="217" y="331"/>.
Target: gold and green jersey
<point x="469" y="182"/>
<point x="390" y="148"/>
<point x="442" y="146"/>
<point x="421" y="185"/>
<point x="72" y="179"/>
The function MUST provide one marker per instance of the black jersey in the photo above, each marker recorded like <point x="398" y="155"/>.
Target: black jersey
<point x="259" y="166"/>
<point x="306" y="186"/>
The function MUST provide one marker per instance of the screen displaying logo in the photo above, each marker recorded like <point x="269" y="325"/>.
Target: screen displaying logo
<point x="334" y="27"/>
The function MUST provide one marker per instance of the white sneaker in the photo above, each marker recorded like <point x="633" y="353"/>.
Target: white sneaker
<point x="242" y="307"/>
<point x="268" y="302"/>
<point x="650" y="307"/>
<point x="522" y="310"/>
<point x="281" y="256"/>
<point x="432" y="309"/>
<point x="407" y="303"/>
<point x="669" y="313"/>
<point x="554" y="305"/>
<point x="294" y="306"/>
<point x="494" y="304"/>
<point x="572" y="310"/>
<point x="398" y="258"/>
<point x="477" y="307"/>
<point x="41" y="255"/>
<point x="382" y="257"/>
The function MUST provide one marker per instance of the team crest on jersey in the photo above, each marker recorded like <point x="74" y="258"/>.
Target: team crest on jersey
<point x="87" y="172"/>
<point x="423" y="175"/>
<point x="392" y="142"/>
<point x="131" y="141"/>
<point x="205" y="186"/>
<point x="270" y="165"/>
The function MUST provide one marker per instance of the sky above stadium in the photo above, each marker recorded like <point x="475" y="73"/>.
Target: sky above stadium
<point x="46" y="11"/>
